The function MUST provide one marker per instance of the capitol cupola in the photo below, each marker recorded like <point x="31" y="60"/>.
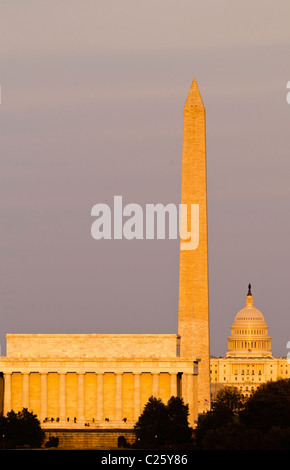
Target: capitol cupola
<point x="249" y="333"/>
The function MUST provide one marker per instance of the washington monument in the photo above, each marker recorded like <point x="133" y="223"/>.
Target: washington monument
<point x="193" y="316"/>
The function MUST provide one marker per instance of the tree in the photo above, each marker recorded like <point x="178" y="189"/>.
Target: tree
<point x="230" y="399"/>
<point x="235" y="438"/>
<point x="21" y="429"/>
<point x="179" y="430"/>
<point x="261" y="423"/>
<point x="268" y="407"/>
<point x="152" y="425"/>
<point x="224" y="414"/>
<point x="163" y="425"/>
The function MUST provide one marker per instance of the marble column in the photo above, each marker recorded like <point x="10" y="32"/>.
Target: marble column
<point x="62" y="407"/>
<point x="81" y="397"/>
<point x="43" y="396"/>
<point x="155" y="385"/>
<point x="25" y="390"/>
<point x="184" y="388"/>
<point x="7" y="393"/>
<point x="100" y="397"/>
<point x="173" y="385"/>
<point x="118" y="397"/>
<point x="137" y="396"/>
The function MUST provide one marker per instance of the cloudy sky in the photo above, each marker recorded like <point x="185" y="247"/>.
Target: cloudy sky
<point x="92" y="96"/>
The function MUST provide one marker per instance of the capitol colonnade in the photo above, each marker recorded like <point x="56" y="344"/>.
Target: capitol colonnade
<point x="65" y="396"/>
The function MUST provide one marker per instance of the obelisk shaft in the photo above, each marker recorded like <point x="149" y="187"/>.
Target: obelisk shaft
<point x="193" y="317"/>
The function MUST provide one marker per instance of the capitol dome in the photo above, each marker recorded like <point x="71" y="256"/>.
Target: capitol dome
<point x="249" y="333"/>
<point x="249" y="313"/>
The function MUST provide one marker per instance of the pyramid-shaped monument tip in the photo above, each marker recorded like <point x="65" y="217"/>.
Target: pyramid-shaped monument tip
<point x="194" y="99"/>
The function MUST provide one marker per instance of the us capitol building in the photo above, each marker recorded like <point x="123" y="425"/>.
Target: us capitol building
<point x="249" y="361"/>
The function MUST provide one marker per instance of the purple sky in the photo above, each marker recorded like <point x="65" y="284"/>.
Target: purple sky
<point x="92" y="96"/>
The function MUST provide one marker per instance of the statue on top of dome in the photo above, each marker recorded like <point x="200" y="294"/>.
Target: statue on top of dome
<point x="249" y="289"/>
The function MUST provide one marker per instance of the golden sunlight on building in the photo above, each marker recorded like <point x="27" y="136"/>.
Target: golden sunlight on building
<point x="249" y="361"/>
<point x="102" y="381"/>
